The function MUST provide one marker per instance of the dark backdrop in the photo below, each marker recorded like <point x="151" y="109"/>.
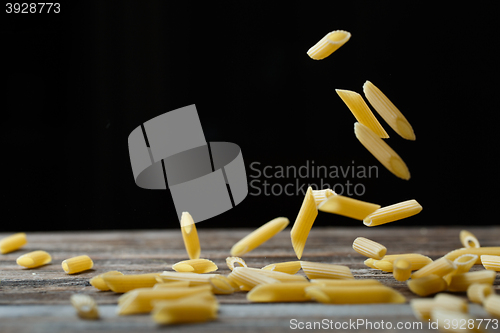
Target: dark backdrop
<point x="75" y="84"/>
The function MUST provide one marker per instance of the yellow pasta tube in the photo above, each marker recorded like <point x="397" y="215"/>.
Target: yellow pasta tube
<point x="416" y="260"/>
<point x="370" y="262"/>
<point x="369" y="248"/>
<point x="492" y="305"/>
<point x="321" y="196"/>
<point x="362" y="112"/>
<point x="280" y="276"/>
<point x="195" y="279"/>
<point x="171" y="284"/>
<point x="12" y="242"/>
<point x="279" y="292"/>
<point x="190" y="236"/>
<point x="439" y="267"/>
<point x="34" y="259"/>
<point x="460" y="282"/>
<point x="140" y="301"/>
<point x="259" y="236"/>
<point x="85" y="306"/>
<point x="453" y="321"/>
<point x="477" y="292"/>
<point x="422" y="307"/>
<point x="124" y="283"/>
<point x="251" y="278"/>
<point x="230" y="261"/>
<point x="480" y="251"/>
<point x="345" y="206"/>
<point x="317" y="270"/>
<point x="451" y="302"/>
<point x="346" y="283"/>
<point x="354" y="294"/>
<point x="463" y="264"/>
<point x="221" y="285"/>
<point x="328" y="44"/>
<point x="401" y="270"/>
<point x="195" y="266"/>
<point x="468" y="239"/>
<point x="427" y="285"/>
<point x="77" y="264"/>
<point x="303" y="223"/>
<point x="381" y="151"/>
<point x="384" y="265"/>
<point x="290" y="267"/>
<point x="186" y="310"/>
<point x="99" y="283"/>
<point x="387" y="110"/>
<point x="491" y="262"/>
<point x="393" y="213"/>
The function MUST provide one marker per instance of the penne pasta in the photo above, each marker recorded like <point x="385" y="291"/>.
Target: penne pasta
<point x="477" y="292"/>
<point x="480" y="251"/>
<point x="468" y="239"/>
<point x="230" y="261"/>
<point x="463" y="264"/>
<point x="440" y="267"/>
<point x="12" y="242"/>
<point x="384" y="265"/>
<point x="328" y="44"/>
<point x="303" y="223"/>
<point x="460" y="282"/>
<point x="85" y="306"/>
<point x="491" y="262"/>
<point x="345" y="206"/>
<point x="369" y="248"/>
<point x="416" y="260"/>
<point x="250" y="278"/>
<point x="34" y="259"/>
<point x="452" y="321"/>
<point x="393" y="213"/>
<point x="77" y="264"/>
<point x="279" y="292"/>
<point x="317" y="270"/>
<point x="401" y="269"/>
<point x="171" y="284"/>
<point x="422" y="307"/>
<point x="185" y="310"/>
<point x="451" y="302"/>
<point x="123" y="283"/>
<point x="362" y="112"/>
<point x="388" y="111"/>
<point x="427" y="285"/>
<point x="354" y="294"/>
<point x="99" y="283"/>
<point x="370" y="262"/>
<point x="321" y="196"/>
<point x="190" y="236"/>
<point x="492" y="305"/>
<point x="280" y="276"/>
<point x="381" y="151"/>
<point x="222" y="285"/>
<point x="346" y="283"/>
<point x="194" y="279"/>
<point x="259" y="236"/>
<point x="290" y="267"/>
<point x="195" y="266"/>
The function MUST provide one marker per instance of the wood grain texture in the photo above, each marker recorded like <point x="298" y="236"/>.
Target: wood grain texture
<point x="40" y="296"/>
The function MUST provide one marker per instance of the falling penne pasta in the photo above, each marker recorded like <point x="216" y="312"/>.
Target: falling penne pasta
<point x="123" y="283"/>
<point x="318" y="270"/>
<point x="477" y="292"/>
<point x="480" y="251"/>
<point x="99" y="283"/>
<point x="393" y="213"/>
<point x="401" y="270"/>
<point x="230" y="261"/>
<point x="491" y="262"/>
<point x="460" y="282"/>
<point x="439" y="267"/>
<point x="427" y="285"/>
<point x="387" y="110"/>
<point x="189" y="309"/>
<point x="492" y="305"/>
<point x="77" y="264"/>
<point x="195" y="266"/>
<point x="362" y="112"/>
<point x="321" y="196"/>
<point x="12" y="242"/>
<point x="195" y="279"/>
<point x="328" y="44"/>
<point x="279" y="292"/>
<point x="303" y="223"/>
<point x="381" y="151"/>
<point x="85" y="306"/>
<point x="190" y="236"/>
<point x="354" y="294"/>
<point x="468" y="239"/>
<point x="290" y="267"/>
<point x="345" y="206"/>
<point x="259" y="236"/>
<point x="34" y="259"/>
<point x="369" y="248"/>
<point x="250" y="278"/>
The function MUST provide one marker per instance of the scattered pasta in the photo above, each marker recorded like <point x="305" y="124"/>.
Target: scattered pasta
<point x="303" y="223"/>
<point x="393" y="213"/>
<point x="259" y="236"/>
<point x="34" y="259"/>
<point x="345" y="206"/>
<point x="369" y="248"/>
<point x="318" y="270"/>
<point x="77" y="264"/>
<point x="328" y="44"/>
<point x="12" y="242"/>
<point x="468" y="239"/>
<point x="190" y="236"/>
<point x="85" y="306"/>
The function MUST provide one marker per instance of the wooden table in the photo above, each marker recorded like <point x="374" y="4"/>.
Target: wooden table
<point x="37" y="300"/>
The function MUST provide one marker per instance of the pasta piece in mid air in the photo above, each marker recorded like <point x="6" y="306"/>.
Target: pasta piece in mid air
<point x="393" y="213"/>
<point x="468" y="239"/>
<point x="345" y="206"/>
<point x="303" y="223"/>
<point x="190" y="236"/>
<point x="328" y="44"/>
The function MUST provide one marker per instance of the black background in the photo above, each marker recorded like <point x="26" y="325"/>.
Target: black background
<point x="75" y="84"/>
